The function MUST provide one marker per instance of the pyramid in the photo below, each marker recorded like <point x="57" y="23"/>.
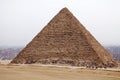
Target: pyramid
<point x="65" y="41"/>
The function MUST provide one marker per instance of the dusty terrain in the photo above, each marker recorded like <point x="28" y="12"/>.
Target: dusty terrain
<point x="38" y="72"/>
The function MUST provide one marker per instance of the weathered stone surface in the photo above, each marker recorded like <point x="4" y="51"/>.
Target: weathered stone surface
<point x="64" y="40"/>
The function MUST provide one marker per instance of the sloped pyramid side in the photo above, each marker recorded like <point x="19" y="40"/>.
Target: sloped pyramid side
<point x="64" y="40"/>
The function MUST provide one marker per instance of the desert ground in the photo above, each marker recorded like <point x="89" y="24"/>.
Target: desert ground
<point x="48" y="72"/>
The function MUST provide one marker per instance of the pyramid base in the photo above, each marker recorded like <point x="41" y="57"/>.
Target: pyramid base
<point x="70" y="62"/>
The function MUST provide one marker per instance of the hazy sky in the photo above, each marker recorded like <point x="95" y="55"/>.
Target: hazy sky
<point x="21" y="20"/>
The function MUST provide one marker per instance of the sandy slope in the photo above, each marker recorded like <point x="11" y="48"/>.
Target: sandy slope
<point x="35" y="72"/>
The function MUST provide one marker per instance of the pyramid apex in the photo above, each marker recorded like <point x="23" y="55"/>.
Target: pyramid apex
<point x="64" y="9"/>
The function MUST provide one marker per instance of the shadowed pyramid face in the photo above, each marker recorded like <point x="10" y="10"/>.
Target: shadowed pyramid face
<point x="64" y="40"/>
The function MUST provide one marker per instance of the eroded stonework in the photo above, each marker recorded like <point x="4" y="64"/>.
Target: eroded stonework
<point x="64" y="40"/>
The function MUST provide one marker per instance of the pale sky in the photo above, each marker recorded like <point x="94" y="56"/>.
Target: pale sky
<point x="21" y="20"/>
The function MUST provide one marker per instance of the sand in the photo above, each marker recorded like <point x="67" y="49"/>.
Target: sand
<point x="42" y="72"/>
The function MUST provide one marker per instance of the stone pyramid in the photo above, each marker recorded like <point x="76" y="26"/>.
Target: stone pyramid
<point x="65" y="41"/>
